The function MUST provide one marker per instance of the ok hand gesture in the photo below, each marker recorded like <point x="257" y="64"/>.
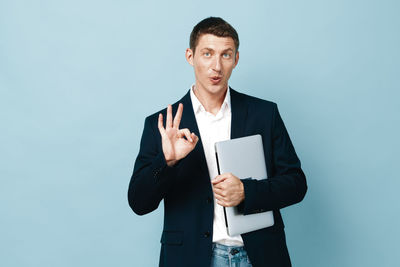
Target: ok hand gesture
<point x="176" y="143"/>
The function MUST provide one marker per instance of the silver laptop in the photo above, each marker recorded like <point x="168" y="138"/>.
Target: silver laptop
<point x="244" y="158"/>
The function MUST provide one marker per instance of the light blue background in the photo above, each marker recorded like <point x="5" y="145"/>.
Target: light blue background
<point x="77" y="79"/>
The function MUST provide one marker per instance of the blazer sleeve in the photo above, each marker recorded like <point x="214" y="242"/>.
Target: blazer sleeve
<point x="151" y="177"/>
<point x="288" y="184"/>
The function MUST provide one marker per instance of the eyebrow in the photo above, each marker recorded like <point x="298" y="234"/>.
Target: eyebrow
<point x="210" y="49"/>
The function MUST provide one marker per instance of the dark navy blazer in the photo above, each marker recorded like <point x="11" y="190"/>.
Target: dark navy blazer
<point x="186" y="240"/>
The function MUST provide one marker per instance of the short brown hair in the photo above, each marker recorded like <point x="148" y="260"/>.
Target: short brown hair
<point x="216" y="26"/>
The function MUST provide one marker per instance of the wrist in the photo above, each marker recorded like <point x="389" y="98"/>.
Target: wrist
<point x="171" y="162"/>
<point x="242" y="190"/>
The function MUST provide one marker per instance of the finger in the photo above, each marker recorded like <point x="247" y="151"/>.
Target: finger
<point x="178" y="116"/>
<point x="225" y="201"/>
<point x="219" y="185"/>
<point x="160" y="123"/>
<point x="215" y="181"/>
<point x="218" y="179"/>
<point x="219" y="198"/>
<point x="219" y="192"/>
<point x="228" y="204"/>
<point x="168" y="124"/>
<point x="222" y="203"/>
<point x="194" y="138"/>
<point x="225" y="177"/>
<point x="186" y="133"/>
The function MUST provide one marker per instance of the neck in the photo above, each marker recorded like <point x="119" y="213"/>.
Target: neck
<point x="211" y="102"/>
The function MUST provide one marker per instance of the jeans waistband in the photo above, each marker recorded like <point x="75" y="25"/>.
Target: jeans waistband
<point x="226" y="250"/>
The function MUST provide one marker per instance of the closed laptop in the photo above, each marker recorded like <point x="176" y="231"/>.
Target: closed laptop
<point x="244" y="158"/>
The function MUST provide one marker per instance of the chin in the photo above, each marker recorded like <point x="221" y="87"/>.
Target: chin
<point x="216" y="89"/>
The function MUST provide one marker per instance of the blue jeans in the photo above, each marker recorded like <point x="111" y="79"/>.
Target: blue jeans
<point x="229" y="256"/>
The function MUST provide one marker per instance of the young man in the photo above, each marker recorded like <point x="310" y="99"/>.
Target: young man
<point x="177" y="164"/>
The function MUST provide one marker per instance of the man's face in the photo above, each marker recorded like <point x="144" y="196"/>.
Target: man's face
<point x="213" y="62"/>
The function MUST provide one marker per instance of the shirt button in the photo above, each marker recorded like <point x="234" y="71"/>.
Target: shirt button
<point x="207" y="234"/>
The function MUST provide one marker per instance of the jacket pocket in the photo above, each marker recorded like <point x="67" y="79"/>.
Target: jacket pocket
<point x="172" y="237"/>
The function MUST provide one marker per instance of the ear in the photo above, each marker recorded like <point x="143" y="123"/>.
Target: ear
<point x="236" y="58"/>
<point x="189" y="56"/>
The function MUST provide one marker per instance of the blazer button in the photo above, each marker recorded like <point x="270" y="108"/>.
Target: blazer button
<point x="207" y="234"/>
<point x="209" y="200"/>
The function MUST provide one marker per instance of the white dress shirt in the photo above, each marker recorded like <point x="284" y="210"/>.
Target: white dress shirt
<point x="214" y="128"/>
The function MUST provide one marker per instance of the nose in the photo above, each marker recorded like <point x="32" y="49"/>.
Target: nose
<point x="217" y="64"/>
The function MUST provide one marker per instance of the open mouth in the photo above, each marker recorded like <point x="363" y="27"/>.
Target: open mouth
<point x="215" y="79"/>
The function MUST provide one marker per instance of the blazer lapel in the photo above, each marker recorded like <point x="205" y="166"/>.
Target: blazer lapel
<point x="239" y="114"/>
<point x="189" y="121"/>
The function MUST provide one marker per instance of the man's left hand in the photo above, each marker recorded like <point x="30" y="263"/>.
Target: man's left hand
<point x="228" y="190"/>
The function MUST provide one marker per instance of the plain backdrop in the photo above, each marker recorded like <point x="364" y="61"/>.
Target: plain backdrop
<point x="77" y="79"/>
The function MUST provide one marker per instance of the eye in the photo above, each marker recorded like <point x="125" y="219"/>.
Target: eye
<point x="207" y="54"/>
<point x="226" y="55"/>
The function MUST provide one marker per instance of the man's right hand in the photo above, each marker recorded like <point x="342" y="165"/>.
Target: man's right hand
<point x="176" y="143"/>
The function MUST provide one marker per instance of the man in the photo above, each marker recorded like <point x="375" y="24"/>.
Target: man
<point x="176" y="163"/>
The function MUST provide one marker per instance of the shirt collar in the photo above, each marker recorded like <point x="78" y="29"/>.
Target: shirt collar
<point x="197" y="106"/>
